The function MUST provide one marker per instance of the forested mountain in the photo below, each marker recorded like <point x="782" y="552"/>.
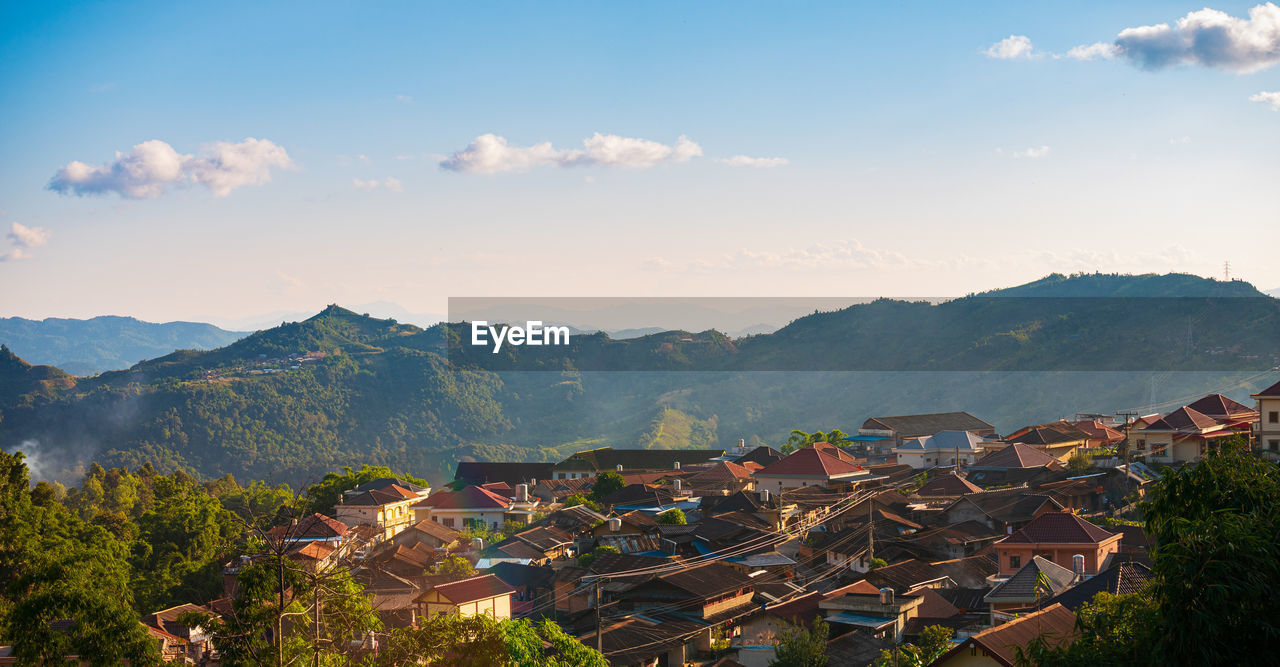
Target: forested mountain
<point x="290" y="403"/>
<point x="85" y="347"/>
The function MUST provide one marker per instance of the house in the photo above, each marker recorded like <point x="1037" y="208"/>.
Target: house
<point x="1121" y="578"/>
<point x="1037" y="580"/>
<point x="196" y="645"/>
<point x="430" y="533"/>
<point x="810" y="466"/>
<point x="485" y="594"/>
<point x="1060" y="439"/>
<point x="762" y="455"/>
<point x="758" y="635"/>
<point x="726" y="476"/>
<point x="1268" y="431"/>
<point x="1057" y="536"/>
<point x="1015" y="464"/>
<point x="591" y="462"/>
<point x="473" y="506"/>
<point x="556" y="490"/>
<point x="1188" y="433"/>
<point x="1005" y="509"/>
<point x="895" y="430"/>
<point x="707" y="592"/>
<point x="1100" y="434"/>
<point x="999" y="646"/>
<point x="947" y="485"/>
<point x="873" y="612"/>
<point x="476" y="473"/>
<point x="532" y="585"/>
<point x="944" y="448"/>
<point x="539" y="544"/>
<point x="387" y="508"/>
<point x="314" y="528"/>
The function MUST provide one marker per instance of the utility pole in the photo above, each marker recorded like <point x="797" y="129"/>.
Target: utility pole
<point x="1128" y="449"/>
<point x="871" y="532"/>
<point x="599" y="635"/>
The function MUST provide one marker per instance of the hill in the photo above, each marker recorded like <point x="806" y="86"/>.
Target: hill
<point x="290" y="403"/>
<point x="86" y="347"/>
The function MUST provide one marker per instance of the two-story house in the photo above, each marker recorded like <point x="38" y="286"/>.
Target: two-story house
<point x="1057" y="537"/>
<point x="1268" y="428"/>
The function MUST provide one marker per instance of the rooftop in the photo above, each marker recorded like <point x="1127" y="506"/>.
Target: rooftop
<point x="476" y="588"/>
<point x="914" y="425"/>
<point x="1058" y="528"/>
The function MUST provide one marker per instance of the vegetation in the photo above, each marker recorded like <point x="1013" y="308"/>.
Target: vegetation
<point x="585" y="560"/>
<point x="456" y="567"/>
<point x="799" y="646"/>
<point x="481" y="641"/>
<point x="1079" y="463"/>
<point x="673" y="517"/>
<point x="933" y="642"/>
<point x="606" y="483"/>
<point x="579" y="499"/>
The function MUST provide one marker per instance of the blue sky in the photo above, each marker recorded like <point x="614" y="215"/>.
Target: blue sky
<point x="881" y="150"/>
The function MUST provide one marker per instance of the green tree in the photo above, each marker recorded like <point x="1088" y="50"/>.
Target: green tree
<point x="585" y="560"/>
<point x="673" y="517"/>
<point x="322" y="496"/>
<point x="579" y="499"/>
<point x="606" y="483"/>
<point x="799" y="646"/>
<point x="934" y="640"/>
<point x="453" y="566"/>
<point x="1113" y="630"/>
<point x="1079" y="463"/>
<point x="481" y="641"/>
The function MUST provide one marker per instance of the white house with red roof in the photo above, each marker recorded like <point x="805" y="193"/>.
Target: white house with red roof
<point x="1268" y="426"/>
<point x="1188" y="433"/>
<point x="810" y="466"/>
<point x="468" y="507"/>
<point x="387" y="507"/>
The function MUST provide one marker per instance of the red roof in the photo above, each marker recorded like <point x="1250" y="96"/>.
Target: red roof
<point x="723" y="471"/>
<point x="1055" y="624"/>
<point x="314" y="527"/>
<point x="482" y="587"/>
<point x="1099" y="430"/>
<point x="472" y="497"/>
<point x="1184" y="418"/>
<point x="1220" y="407"/>
<point x="948" y="485"/>
<point x="1058" y="528"/>
<point x="1271" y="392"/>
<point x="1016" y="455"/>
<point x="809" y="462"/>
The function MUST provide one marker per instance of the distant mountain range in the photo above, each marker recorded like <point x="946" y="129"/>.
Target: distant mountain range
<point x="339" y="388"/>
<point x="85" y="347"/>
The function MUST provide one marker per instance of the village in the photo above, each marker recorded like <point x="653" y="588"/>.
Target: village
<point x="710" y="557"/>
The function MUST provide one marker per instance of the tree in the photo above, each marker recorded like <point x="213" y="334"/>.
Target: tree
<point x="585" y="560"/>
<point x="673" y="517"/>
<point x="799" y="646"/>
<point x="1079" y="463"/>
<point x="606" y="483"/>
<point x="1113" y="630"/>
<point x="579" y="499"/>
<point x="877" y="563"/>
<point x="321" y="497"/>
<point x="480" y="641"/>
<point x="933" y="642"/>
<point x="453" y="566"/>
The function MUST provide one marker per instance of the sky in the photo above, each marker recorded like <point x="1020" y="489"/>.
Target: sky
<point x="214" y="161"/>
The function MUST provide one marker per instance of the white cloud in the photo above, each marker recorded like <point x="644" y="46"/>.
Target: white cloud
<point x="1180" y="141"/>
<point x="27" y="237"/>
<point x="151" y="168"/>
<point x="1272" y="99"/>
<point x="391" y="184"/>
<point x="1207" y="37"/>
<point x="1095" y="51"/>
<point x="404" y="98"/>
<point x="1013" y="47"/>
<point x="1032" y="153"/>
<point x="849" y="255"/>
<point x="15" y="255"/>
<point x="758" y="162"/>
<point x="491" y="154"/>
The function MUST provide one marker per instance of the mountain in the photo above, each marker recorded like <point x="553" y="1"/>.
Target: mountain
<point x="293" y="402"/>
<point x="85" y="347"/>
<point x="1274" y="293"/>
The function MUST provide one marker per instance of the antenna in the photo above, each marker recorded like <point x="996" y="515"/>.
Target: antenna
<point x="1226" y="271"/>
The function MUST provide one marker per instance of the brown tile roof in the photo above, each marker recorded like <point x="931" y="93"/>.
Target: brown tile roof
<point x="1098" y="430"/>
<point x="798" y="611"/>
<point x="1055" y="623"/>
<point x="167" y="619"/>
<point x="1016" y="455"/>
<point x="708" y="581"/>
<point x="1049" y="434"/>
<point x="809" y="462"/>
<point x="948" y="484"/>
<point x="1184" y="418"/>
<point x="909" y="426"/>
<point x="472" y="497"/>
<point x="482" y="472"/>
<point x="1220" y="407"/>
<point x="1058" y="528"/>
<point x="316" y="526"/>
<point x="476" y="588"/>
<point x="722" y="472"/>
<point x="1030" y="580"/>
<point x="436" y="530"/>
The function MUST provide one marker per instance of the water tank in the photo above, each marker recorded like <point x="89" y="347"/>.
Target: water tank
<point x="677" y="484"/>
<point x="619" y="467"/>
<point x="764" y="495"/>
<point x="886" y="596"/>
<point x="615" y="525"/>
<point x="477" y="544"/>
<point x="533" y="482"/>
<point x="522" y="493"/>
<point x="1077" y="564"/>
<point x="677" y="465"/>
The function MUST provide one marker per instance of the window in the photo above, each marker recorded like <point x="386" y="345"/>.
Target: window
<point x="1142" y="445"/>
<point x="1273" y="417"/>
<point x="447" y="522"/>
<point x="1275" y="445"/>
<point x="1015" y="562"/>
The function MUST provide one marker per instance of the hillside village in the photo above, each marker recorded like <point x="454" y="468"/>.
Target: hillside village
<point x="701" y="557"/>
